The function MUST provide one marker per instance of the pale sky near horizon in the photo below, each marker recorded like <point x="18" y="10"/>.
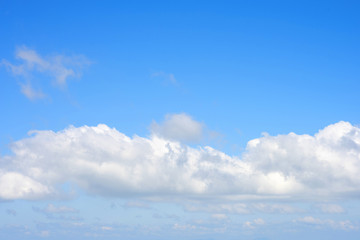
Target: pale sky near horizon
<point x="179" y="120"/>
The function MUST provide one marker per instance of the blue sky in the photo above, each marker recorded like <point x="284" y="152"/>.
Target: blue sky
<point x="182" y="120"/>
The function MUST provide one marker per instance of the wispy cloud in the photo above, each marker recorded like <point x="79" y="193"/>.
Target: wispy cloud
<point x="58" y="212"/>
<point x="57" y="68"/>
<point x="254" y="223"/>
<point x="136" y="204"/>
<point x="320" y="223"/>
<point x="220" y="208"/>
<point x="331" y="208"/>
<point x="166" y="77"/>
<point x="30" y="92"/>
<point x="275" y="208"/>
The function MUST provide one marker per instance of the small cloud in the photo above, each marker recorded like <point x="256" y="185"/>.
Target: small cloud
<point x="61" y="209"/>
<point x="106" y="228"/>
<point x="259" y="221"/>
<point x="309" y="219"/>
<point x="179" y="127"/>
<point x="275" y="208"/>
<point x="58" y="68"/>
<point x="319" y="223"/>
<point x="166" y="77"/>
<point x="177" y="226"/>
<point x="253" y="224"/>
<point x="44" y="234"/>
<point x="30" y="92"/>
<point x="57" y="212"/>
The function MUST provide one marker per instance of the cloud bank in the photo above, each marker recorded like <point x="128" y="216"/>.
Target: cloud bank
<point x="103" y="161"/>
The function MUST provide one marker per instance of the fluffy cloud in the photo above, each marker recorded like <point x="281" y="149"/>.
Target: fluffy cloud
<point x="327" y="163"/>
<point x="103" y="161"/>
<point x="58" y="67"/>
<point x="14" y="185"/>
<point x="179" y="127"/>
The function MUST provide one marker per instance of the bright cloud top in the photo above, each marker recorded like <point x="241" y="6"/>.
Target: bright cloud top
<point x="58" y="67"/>
<point x="104" y="161"/>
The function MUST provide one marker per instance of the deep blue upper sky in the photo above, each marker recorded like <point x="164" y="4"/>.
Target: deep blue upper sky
<point x="274" y="66"/>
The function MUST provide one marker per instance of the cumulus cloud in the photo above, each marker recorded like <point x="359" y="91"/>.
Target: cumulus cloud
<point x="179" y="127"/>
<point x="58" y="68"/>
<point x="14" y="185"/>
<point x="104" y="161"/>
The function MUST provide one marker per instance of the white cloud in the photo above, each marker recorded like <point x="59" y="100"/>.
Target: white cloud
<point x="274" y="208"/>
<point x="103" y="161"/>
<point x="180" y="127"/>
<point x="106" y="228"/>
<point x="324" y="164"/>
<point x="14" y="185"/>
<point x="253" y="224"/>
<point x="44" y="233"/>
<point x="58" y="68"/>
<point x="178" y="226"/>
<point x="319" y="223"/>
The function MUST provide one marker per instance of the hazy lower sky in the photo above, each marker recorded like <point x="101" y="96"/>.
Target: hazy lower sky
<point x="200" y="120"/>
